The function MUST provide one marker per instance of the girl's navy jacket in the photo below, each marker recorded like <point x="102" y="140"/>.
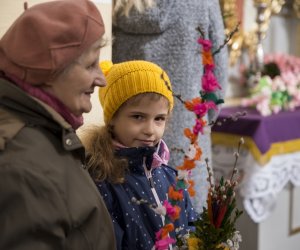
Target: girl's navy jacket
<point x="135" y="225"/>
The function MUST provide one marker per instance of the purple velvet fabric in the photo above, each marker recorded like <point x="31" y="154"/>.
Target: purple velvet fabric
<point x="264" y="130"/>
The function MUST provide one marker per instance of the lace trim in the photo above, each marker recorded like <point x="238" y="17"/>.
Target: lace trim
<point x="260" y="186"/>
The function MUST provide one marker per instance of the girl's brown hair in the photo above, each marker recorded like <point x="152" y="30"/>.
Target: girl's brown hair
<point x="101" y="161"/>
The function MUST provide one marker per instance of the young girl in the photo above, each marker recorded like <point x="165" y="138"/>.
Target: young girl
<point x="153" y="32"/>
<point x="127" y="157"/>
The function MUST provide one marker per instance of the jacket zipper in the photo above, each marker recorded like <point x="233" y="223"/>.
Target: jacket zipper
<point x="151" y="183"/>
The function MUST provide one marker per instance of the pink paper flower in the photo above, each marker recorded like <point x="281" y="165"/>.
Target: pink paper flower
<point x="198" y="127"/>
<point x="200" y="109"/>
<point x="206" y="44"/>
<point x="164" y="243"/>
<point x="172" y="211"/>
<point x="209" y="81"/>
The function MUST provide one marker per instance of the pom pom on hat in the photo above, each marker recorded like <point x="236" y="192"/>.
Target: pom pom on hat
<point x="127" y="79"/>
<point x="105" y="66"/>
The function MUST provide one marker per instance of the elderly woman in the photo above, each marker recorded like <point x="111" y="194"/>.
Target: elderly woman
<point x="49" y="69"/>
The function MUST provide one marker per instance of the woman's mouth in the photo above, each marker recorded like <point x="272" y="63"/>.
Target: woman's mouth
<point x="89" y="93"/>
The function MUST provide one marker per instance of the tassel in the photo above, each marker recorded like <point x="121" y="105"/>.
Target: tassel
<point x="221" y="214"/>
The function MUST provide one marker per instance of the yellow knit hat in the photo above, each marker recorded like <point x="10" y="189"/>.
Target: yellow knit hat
<point x="127" y="79"/>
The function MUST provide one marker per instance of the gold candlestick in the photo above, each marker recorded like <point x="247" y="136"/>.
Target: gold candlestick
<point x="260" y="19"/>
<point x="265" y="8"/>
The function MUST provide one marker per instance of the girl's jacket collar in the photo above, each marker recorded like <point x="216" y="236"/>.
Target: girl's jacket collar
<point x="154" y="156"/>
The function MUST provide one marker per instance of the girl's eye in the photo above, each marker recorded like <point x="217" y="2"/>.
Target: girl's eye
<point x="137" y="117"/>
<point x="160" y="118"/>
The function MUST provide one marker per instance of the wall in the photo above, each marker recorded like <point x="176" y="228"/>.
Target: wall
<point x="11" y="9"/>
<point x="274" y="233"/>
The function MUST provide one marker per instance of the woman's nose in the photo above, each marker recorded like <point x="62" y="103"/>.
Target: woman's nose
<point x="100" y="80"/>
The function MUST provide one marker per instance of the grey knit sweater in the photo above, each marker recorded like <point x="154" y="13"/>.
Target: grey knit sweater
<point x="166" y="35"/>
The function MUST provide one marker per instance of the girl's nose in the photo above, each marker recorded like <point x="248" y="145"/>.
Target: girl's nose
<point x="149" y="128"/>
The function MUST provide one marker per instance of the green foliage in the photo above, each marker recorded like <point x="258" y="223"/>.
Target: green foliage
<point x="210" y="236"/>
<point x="211" y="96"/>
